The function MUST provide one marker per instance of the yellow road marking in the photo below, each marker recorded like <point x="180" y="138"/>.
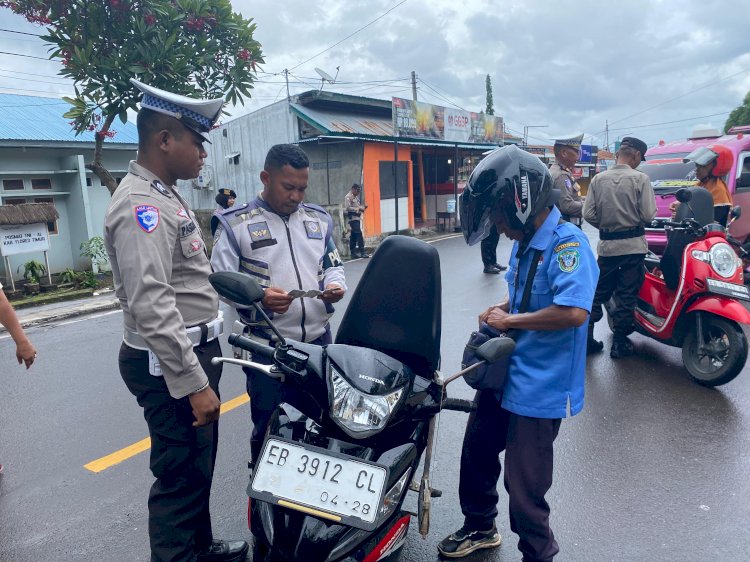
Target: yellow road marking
<point x="145" y="444"/>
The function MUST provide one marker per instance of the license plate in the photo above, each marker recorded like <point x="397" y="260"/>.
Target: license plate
<point x="315" y="481"/>
<point x="728" y="289"/>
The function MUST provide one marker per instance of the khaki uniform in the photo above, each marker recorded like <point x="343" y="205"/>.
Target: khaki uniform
<point x="160" y="271"/>
<point x="570" y="202"/>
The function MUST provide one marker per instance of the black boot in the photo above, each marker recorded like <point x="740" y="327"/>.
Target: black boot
<point x="621" y="347"/>
<point x="592" y="345"/>
<point x="224" y="551"/>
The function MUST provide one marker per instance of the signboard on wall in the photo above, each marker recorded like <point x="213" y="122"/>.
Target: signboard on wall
<point x="24" y="239"/>
<point x="588" y="154"/>
<point x="425" y="120"/>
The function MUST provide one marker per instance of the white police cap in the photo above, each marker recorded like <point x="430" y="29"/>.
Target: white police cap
<point x="196" y="114"/>
<point x="573" y="141"/>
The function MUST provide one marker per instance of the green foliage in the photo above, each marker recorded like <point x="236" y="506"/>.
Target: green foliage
<point x="68" y="276"/>
<point x="490" y="109"/>
<point x="95" y="250"/>
<point x="198" y="48"/>
<point x="740" y="115"/>
<point x="32" y="270"/>
<point x="88" y="279"/>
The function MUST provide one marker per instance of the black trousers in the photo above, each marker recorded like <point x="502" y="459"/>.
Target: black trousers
<point x="182" y="457"/>
<point x="266" y="394"/>
<point x="489" y="247"/>
<point x="356" y="240"/>
<point x="528" y="445"/>
<point x="621" y="276"/>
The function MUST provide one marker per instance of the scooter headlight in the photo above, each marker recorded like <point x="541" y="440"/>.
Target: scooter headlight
<point x="724" y="260"/>
<point x="357" y="413"/>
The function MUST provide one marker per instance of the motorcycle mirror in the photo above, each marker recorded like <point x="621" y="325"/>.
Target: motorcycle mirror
<point x="237" y="287"/>
<point x="683" y="195"/>
<point x="736" y="212"/>
<point x="496" y="348"/>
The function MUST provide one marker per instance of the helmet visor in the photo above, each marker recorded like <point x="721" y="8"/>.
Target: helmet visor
<point x="701" y="156"/>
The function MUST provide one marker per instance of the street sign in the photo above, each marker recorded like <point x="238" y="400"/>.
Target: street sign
<point x="24" y="239"/>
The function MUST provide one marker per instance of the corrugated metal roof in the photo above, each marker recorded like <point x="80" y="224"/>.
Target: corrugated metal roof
<point x="31" y="118"/>
<point x="341" y="122"/>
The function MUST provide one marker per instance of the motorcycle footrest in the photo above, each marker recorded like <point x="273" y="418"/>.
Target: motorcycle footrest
<point x="434" y="492"/>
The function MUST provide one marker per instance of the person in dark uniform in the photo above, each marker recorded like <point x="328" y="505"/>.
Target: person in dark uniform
<point x="620" y="203"/>
<point x="545" y="378"/>
<point x="489" y="252"/>
<point x="160" y="271"/>
<point x="225" y="198"/>
<point x="570" y="202"/>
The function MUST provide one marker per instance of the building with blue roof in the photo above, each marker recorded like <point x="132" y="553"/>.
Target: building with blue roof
<point x="42" y="160"/>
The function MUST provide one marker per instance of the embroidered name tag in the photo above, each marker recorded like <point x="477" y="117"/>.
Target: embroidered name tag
<point x="566" y="245"/>
<point x="186" y="229"/>
<point x="313" y="230"/>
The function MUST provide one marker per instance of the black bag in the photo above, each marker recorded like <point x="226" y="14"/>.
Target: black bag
<point x="491" y="376"/>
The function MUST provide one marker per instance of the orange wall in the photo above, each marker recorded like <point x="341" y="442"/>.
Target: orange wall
<point x="375" y="152"/>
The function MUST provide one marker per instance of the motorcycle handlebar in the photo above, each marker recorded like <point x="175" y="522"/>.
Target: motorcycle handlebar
<point x="251" y="345"/>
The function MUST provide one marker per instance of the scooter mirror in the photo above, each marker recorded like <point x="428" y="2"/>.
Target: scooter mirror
<point x="495" y="349"/>
<point x="683" y="195"/>
<point x="237" y="287"/>
<point x="736" y="212"/>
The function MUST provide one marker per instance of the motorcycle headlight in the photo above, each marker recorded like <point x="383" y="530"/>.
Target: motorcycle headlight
<point x="357" y="413"/>
<point x="724" y="260"/>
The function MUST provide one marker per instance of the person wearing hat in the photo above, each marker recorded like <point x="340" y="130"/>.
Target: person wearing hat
<point x="170" y="312"/>
<point x="353" y="208"/>
<point x="225" y="198"/>
<point x="620" y="203"/>
<point x="711" y="164"/>
<point x="569" y="202"/>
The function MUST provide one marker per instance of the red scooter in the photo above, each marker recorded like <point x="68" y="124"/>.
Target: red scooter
<point x="693" y="296"/>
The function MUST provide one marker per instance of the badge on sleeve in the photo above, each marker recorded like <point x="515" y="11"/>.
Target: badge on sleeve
<point x="313" y="230"/>
<point x="569" y="260"/>
<point x="147" y="217"/>
<point x="568" y="184"/>
<point x="259" y="231"/>
<point x="183" y="213"/>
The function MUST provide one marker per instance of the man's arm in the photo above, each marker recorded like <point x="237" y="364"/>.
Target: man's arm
<point x="25" y="351"/>
<point x="647" y="203"/>
<point x="589" y="207"/>
<point x="554" y="317"/>
<point x="567" y="203"/>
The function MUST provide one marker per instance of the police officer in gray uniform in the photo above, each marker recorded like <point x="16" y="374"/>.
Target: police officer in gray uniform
<point x="570" y="202"/>
<point x="160" y="271"/>
<point x="286" y="245"/>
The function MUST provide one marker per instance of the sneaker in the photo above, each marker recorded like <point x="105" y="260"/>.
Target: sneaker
<point x="593" y="346"/>
<point x="621" y="348"/>
<point x="500" y="267"/>
<point x="491" y="269"/>
<point x="465" y="541"/>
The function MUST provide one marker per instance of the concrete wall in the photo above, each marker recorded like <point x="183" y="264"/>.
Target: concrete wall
<point x="334" y="167"/>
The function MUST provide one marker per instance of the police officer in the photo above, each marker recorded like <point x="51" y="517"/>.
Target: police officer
<point x="513" y="189"/>
<point x="160" y="271"/>
<point x="620" y="203"/>
<point x="353" y="208"/>
<point x="570" y="202"/>
<point x="225" y="198"/>
<point x="285" y="244"/>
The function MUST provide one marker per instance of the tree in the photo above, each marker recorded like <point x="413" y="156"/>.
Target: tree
<point x="490" y="110"/>
<point x="191" y="47"/>
<point x="740" y="115"/>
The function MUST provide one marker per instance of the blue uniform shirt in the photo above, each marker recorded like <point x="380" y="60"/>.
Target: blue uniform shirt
<point x="546" y="371"/>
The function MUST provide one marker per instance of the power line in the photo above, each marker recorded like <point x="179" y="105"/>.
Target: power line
<point x="22" y="55"/>
<point x="350" y="35"/>
<point x="670" y="122"/>
<point x="21" y="32"/>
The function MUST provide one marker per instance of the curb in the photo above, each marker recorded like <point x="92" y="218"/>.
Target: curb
<point x="39" y="319"/>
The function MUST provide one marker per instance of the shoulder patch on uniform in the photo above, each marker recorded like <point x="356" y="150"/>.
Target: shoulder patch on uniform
<point x="259" y="231"/>
<point x="313" y="230"/>
<point x="568" y="184"/>
<point x="569" y="260"/>
<point x="183" y="213"/>
<point x="147" y="217"/>
<point x="158" y="186"/>
<point x="566" y="245"/>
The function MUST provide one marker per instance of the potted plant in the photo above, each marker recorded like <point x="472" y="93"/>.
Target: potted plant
<point x="67" y="278"/>
<point x="32" y="272"/>
<point x="94" y="249"/>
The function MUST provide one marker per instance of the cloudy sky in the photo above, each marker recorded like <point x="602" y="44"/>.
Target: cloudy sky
<point x="653" y="69"/>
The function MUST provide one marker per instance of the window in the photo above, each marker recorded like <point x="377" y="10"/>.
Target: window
<point x="13" y="200"/>
<point x="52" y="225"/>
<point x="41" y="183"/>
<point x="13" y="185"/>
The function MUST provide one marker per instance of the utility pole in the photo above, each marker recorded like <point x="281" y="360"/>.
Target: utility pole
<point x="414" y="85"/>
<point x="420" y="163"/>
<point x="286" y="77"/>
<point x="606" y="133"/>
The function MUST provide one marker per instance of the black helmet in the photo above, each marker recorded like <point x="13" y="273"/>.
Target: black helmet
<point x="515" y="180"/>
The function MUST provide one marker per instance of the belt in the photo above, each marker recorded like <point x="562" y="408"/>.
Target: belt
<point x="578" y="221"/>
<point x="198" y="335"/>
<point x="635" y="232"/>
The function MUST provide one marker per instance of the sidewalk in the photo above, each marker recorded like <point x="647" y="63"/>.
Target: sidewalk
<point x="47" y="313"/>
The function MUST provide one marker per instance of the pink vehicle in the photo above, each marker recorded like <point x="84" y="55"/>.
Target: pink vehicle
<point x="669" y="173"/>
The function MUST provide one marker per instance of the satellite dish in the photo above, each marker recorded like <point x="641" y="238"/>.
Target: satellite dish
<point x="324" y="75"/>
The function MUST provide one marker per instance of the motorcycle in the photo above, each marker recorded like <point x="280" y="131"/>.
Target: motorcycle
<point x="335" y="467"/>
<point x="692" y="297"/>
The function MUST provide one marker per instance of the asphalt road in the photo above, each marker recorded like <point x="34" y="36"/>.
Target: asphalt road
<point x="654" y="468"/>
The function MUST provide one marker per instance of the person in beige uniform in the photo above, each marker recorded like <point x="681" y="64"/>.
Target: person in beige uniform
<point x="620" y="203"/>
<point x="570" y="201"/>
<point x="160" y="270"/>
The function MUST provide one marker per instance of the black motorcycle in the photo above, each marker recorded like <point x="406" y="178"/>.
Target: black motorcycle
<point x="334" y="470"/>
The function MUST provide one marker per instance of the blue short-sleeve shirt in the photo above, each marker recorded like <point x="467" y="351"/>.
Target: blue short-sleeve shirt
<point x="547" y="369"/>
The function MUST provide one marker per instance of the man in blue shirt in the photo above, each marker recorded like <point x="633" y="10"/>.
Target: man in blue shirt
<point x="545" y="382"/>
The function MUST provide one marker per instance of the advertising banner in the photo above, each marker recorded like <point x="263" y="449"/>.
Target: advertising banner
<point x="24" y="239"/>
<point x="427" y="121"/>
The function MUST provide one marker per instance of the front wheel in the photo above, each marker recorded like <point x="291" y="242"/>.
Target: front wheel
<point x="722" y="355"/>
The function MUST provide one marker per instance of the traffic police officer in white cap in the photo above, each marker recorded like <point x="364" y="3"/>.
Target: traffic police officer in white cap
<point x="570" y="202"/>
<point x="171" y="321"/>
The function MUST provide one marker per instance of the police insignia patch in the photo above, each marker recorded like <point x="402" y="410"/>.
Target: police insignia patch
<point x="147" y="217"/>
<point x="313" y="230"/>
<point x="568" y="260"/>
<point x="183" y="213"/>
<point x="567" y="183"/>
<point x="259" y="231"/>
<point x="195" y="245"/>
<point x="566" y="245"/>
<point x="158" y="186"/>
